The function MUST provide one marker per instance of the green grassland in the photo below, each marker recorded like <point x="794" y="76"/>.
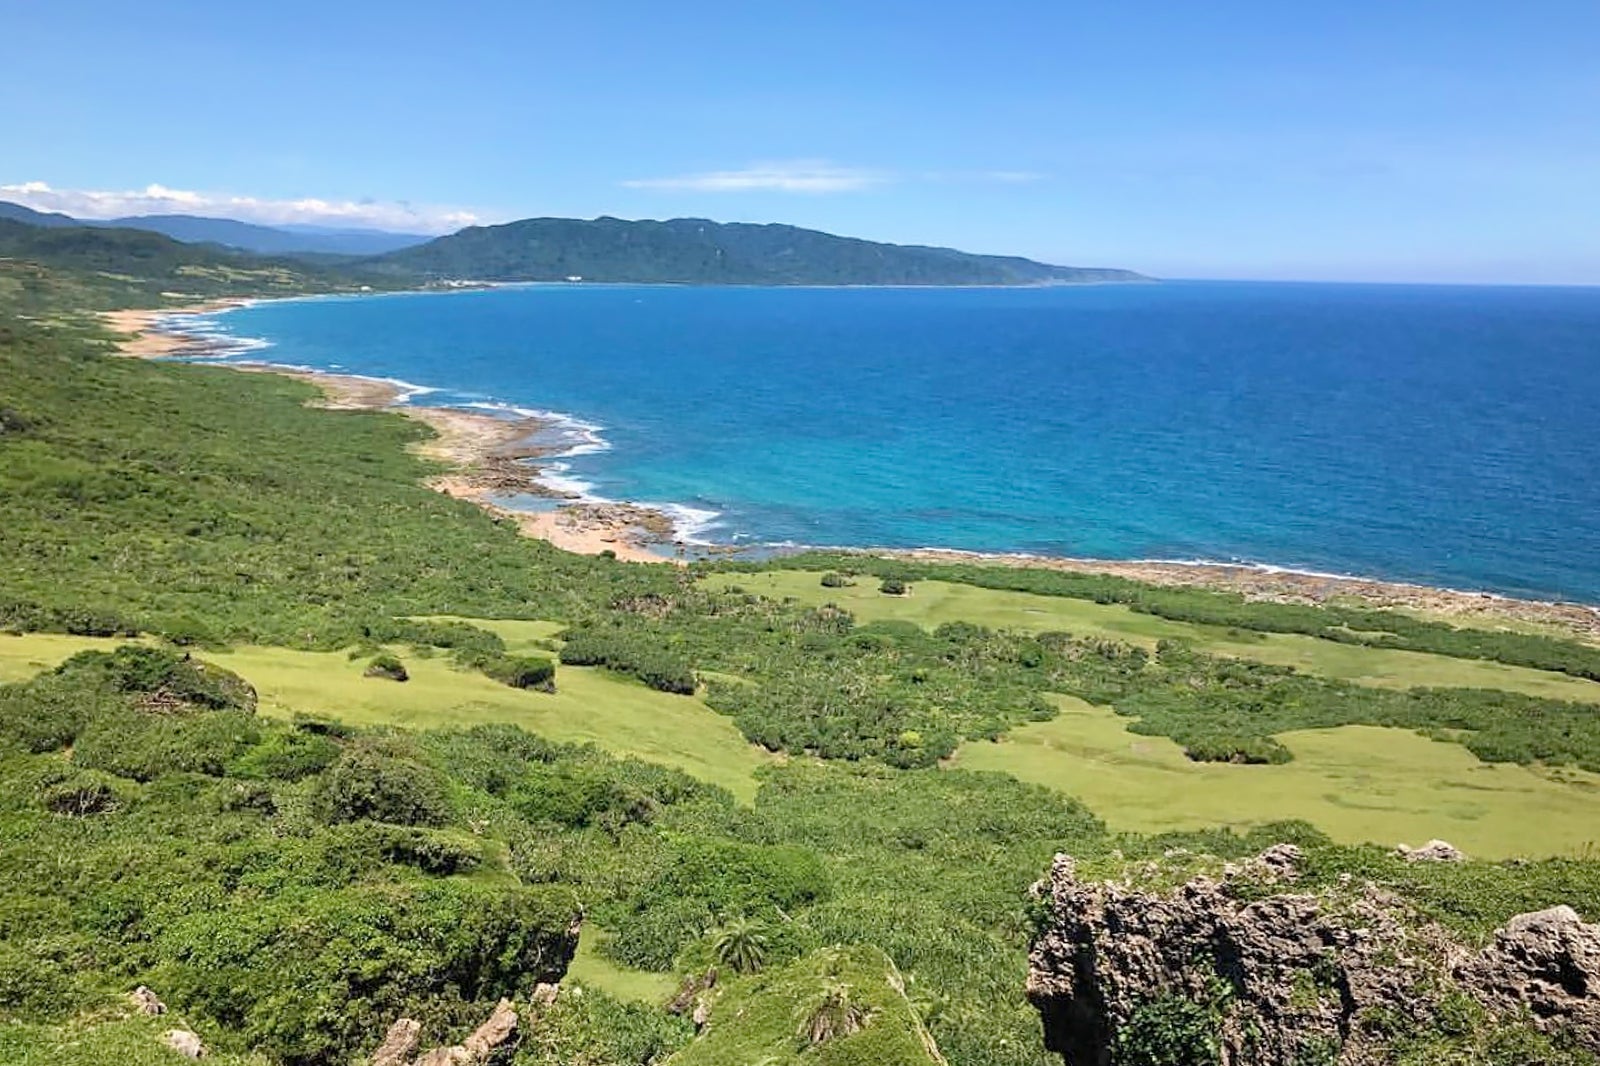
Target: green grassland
<point x="23" y="655"/>
<point x="1358" y="784"/>
<point x="593" y="968"/>
<point x="588" y="706"/>
<point x="933" y="603"/>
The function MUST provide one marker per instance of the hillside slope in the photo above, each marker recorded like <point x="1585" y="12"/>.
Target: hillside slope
<point x="231" y="233"/>
<point x="110" y="267"/>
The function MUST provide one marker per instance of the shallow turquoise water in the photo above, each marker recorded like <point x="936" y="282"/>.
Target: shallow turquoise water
<point x="1447" y="435"/>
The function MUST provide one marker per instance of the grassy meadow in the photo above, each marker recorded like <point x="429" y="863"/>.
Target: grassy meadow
<point x="1358" y="784"/>
<point x="588" y="707"/>
<point x="934" y="603"/>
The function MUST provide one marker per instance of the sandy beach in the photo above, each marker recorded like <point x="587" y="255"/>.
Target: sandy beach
<point x="491" y="458"/>
<point x="143" y="337"/>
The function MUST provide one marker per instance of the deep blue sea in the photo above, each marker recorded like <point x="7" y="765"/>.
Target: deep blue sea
<point x="1445" y="435"/>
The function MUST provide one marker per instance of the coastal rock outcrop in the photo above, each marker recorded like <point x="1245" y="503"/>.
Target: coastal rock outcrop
<point x="1549" y="962"/>
<point x="146" y="1001"/>
<point x="400" y="1042"/>
<point x="184" y="1043"/>
<point x="1252" y="972"/>
<point x="1432" y="851"/>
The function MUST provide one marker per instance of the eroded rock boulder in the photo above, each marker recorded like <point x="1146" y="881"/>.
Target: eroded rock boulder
<point x="1432" y="851"/>
<point x="1284" y="975"/>
<point x="146" y="1001"/>
<point x="1549" y="962"/>
<point x="184" y="1043"/>
<point x="1267" y="976"/>
<point x="398" y="1043"/>
<point x="477" y="1049"/>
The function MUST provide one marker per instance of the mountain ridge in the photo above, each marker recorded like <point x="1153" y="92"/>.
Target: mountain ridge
<point x="701" y="251"/>
<point x="232" y="233"/>
<point x="684" y="251"/>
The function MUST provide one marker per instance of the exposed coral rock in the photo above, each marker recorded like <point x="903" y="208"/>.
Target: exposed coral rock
<point x="544" y="994"/>
<point x="184" y="1043"/>
<point x="146" y="1001"/>
<point x="492" y="1033"/>
<point x="1281" y="862"/>
<point x="689" y="992"/>
<point x="1549" y="961"/>
<point x="1294" y="971"/>
<point x="1290" y="978"/>
<point x="398" y="1043"/>
<point x="474" y="1051"/>
<point x="1432" y="851"/>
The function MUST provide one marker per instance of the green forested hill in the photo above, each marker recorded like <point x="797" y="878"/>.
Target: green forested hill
<point x="697" y="251"/>
<point x="96" y="268"/>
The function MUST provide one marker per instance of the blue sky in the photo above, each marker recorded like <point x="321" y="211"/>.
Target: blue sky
<point x="1396" y="140"/>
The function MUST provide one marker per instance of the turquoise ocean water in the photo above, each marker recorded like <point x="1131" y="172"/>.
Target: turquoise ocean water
<point x="1446" y="435"/>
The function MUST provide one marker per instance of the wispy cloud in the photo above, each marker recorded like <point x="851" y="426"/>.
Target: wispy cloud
<point x="799" y="176"/>
<point x="1012" y="177"/>
<point x="163" y="200"/>
<point x="820" y="176"/>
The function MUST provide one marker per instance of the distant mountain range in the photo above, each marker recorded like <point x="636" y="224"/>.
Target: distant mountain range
<point x="230" y="233"/>
<point x="694" y="251"/>
<point x="685" y="251"/>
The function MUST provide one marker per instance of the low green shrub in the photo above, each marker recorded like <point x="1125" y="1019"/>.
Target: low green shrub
<point x="366" y="783"/>
<point x="522" y="671"/>
<point x="387" y="666"/>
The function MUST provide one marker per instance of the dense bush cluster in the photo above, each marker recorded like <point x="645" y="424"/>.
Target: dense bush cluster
<point x="1346" y="625"/>
<point x="633" y="651"/>
<point x="270" y="881"/>
<point x="802" y="679"/>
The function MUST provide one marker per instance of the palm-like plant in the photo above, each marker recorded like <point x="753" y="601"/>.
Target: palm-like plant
<point x="741" y="943"/>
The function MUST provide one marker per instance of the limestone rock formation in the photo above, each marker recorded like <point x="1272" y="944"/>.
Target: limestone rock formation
<point x="1432" y="851"/>
<point x="184" y="1043"/>
<point x="398" y="1043"/>
<point x="1549" y="962"/>
<point x="146" y="1001"/>
<point x="1275" y="977"/>
<point x="478" y="1048"/>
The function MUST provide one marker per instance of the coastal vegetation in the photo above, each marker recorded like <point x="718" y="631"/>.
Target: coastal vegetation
<point x="201" y="792"/>
<point x="1349" y="625"/>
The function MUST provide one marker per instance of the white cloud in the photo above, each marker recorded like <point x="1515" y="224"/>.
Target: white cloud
<point x="1013" y="177"/>
<point x="162" y="200"/>
<point x="820" y="176"/>
<point x="801" y="176"/>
